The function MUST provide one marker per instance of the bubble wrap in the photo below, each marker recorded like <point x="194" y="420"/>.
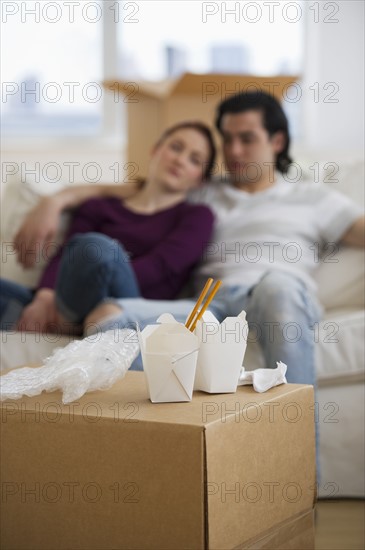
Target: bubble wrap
<point x="94" y="363"/>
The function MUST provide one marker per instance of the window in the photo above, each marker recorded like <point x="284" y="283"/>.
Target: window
<point x="161" y="39"/>
<point x="52" y="68"/>
<point x="55" y="54"/>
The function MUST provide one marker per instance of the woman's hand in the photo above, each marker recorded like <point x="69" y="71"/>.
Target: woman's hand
<point x="41" y="314"/>
<point x="38" y="229"/>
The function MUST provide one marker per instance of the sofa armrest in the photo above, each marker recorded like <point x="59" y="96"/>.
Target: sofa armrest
<point x="18" y="199"/>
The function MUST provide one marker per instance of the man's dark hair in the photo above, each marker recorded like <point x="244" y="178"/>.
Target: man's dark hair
<point x="274" y="118"/>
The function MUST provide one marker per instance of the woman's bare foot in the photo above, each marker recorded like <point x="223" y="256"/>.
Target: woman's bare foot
<point x="99" y="314"/>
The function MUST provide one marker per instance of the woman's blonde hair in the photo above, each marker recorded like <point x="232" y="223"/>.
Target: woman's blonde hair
<point x="204" y="131"/>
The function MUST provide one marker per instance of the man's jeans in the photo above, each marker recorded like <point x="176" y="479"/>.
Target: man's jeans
<point x="281" y="312"/>
<point x="93" y="267"/>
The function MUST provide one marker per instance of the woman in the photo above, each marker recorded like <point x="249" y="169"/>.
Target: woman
<point x="145" y="245"/>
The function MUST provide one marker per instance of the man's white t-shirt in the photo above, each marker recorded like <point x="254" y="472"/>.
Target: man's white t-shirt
<point x="285" y="226"/>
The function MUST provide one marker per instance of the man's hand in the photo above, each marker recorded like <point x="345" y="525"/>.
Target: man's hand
<point x="41" y="314"/>
<point x="38" y="229"/>
<point x="355" y="236"/>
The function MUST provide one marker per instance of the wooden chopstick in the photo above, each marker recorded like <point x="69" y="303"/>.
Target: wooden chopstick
<point x="191" y="322"/>
<point x="205" y="306"/>
<point x="203" y="293"/>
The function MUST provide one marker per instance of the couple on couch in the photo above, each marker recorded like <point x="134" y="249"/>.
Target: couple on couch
<point x="262" y="246"/>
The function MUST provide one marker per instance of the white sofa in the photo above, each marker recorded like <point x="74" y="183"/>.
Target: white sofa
<point x="339" y="341"/>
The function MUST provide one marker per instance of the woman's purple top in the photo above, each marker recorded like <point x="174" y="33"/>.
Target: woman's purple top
<point x="163" y="247"/>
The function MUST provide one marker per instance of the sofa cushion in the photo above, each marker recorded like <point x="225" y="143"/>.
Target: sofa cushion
<point x="19" y="349"/>
<point x="340" y="278"/>
<point x="340" y="274"/>
<point x="339" y="348"/>
<point x="340" y="351"/>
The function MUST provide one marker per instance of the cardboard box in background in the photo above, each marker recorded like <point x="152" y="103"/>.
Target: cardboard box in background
<point x="115" y="471"/>
<point x="153" y="106"/>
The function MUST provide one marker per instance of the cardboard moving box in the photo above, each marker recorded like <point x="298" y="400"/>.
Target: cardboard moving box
<point x="153" y="106"/>
<point x="115" y="471"/>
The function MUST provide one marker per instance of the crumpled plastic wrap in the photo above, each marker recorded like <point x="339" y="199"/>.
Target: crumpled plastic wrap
<point x="94" y="363"/>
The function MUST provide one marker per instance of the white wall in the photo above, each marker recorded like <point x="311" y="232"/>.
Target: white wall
<point x="334" y="52"/>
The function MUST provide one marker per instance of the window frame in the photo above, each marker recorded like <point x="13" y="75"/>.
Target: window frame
<point x="110" y="137"/>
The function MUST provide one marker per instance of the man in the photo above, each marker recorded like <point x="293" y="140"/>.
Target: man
<point x="262" y="250"/>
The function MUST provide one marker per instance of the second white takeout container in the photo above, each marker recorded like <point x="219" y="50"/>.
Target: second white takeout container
<point x="222" y="348"/>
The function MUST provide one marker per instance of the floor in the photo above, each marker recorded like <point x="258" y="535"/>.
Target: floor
<point x="340" y="525"/>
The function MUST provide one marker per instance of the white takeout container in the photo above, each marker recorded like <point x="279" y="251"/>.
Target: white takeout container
<point x="222" y="348"/>
<point x="169" y="354"/>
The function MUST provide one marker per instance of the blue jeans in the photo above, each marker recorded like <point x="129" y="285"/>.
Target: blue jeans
<point x="13" y="299"/>
<point x="92" y="268"/>
<point x="280" y="309"/>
